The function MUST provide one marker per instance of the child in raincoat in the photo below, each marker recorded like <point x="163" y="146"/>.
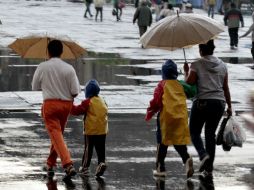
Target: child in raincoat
<point x="169" y="102"/>
<point x="95" y="124"/>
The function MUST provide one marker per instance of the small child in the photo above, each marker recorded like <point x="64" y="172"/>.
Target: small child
<point x="169" y="102"/>
<point x="95" y="113"/>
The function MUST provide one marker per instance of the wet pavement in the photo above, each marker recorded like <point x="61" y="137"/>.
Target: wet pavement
<point x="128" y="75"/>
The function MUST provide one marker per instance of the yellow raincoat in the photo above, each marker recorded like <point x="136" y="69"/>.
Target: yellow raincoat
<point x="174" y="115"/>
<point x="170" y="100"/>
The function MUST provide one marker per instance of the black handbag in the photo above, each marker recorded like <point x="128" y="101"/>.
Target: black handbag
<point x="114" y="12"/>
<point x="219" y="136"/>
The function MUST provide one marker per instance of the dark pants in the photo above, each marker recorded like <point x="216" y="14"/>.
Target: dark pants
<point x="205" y="113"/>
<point x="162" y="149"/>
<point x="88" y="9"/>
<point x="98" y="10"/>
<point x="211" y="10"/>
<point x="233" y="34"/>
<point x="142" y="30"/>
<point x="118" y="12"/>
<point x="91" y="141"/>
<point x="252" y="50"/>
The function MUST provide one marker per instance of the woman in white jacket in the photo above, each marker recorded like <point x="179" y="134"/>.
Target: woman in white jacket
<point x="251" y="29"/>
<point x="98" y="4"/>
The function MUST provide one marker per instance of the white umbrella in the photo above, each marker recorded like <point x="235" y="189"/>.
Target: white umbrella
<point x="181" y="31"/>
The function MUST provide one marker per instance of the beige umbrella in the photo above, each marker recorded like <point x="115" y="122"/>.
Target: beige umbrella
<point x="36" y="47"/>
<point x="181" y="31"/>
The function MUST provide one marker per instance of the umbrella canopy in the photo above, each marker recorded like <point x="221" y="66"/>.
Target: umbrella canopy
<point x="181" y="31"/>
<point x="36" y="47"/>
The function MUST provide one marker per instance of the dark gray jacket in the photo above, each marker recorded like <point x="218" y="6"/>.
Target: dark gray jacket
<point x="144" y="16"/>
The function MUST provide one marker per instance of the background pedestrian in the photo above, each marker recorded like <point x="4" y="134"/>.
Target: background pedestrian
<point x="232" y="19"/>
<point x="211" y="4"/>
<point x="144" y="16"/>
<point x="98" y="4"/>
<point x="118" y="9"/>
<point x="251" y="29"/>
<point x="167" y="11"/>
<point x="88" y="10"/>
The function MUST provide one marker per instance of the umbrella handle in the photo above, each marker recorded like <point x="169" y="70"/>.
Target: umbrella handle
<point x="184" y="55"/>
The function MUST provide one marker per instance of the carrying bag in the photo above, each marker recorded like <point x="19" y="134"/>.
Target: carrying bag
<point x="114" y="12"/>
<point x="230" y="134"/>
<point x="234" y="134"/>
<point x="219" y="136"/>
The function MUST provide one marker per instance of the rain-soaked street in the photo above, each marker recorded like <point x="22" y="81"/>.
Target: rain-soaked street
<point x="128" y="75"/>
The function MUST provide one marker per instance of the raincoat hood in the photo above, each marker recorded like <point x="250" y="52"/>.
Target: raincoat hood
<point x="169" y="70"/>
<point x="92" y="88"/>
<point x="213" y="63"/>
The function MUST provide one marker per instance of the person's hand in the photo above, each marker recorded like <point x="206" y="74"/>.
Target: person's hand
<point x="229" y="111"/>
<point x="186" y="67"/>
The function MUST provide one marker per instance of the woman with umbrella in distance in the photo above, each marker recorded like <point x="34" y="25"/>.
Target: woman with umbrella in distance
<point x="210" y="75"/>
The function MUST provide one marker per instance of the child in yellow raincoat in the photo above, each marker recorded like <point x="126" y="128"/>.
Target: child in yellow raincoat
<point x="95" y="124"/>
<point x="169" y="102"/>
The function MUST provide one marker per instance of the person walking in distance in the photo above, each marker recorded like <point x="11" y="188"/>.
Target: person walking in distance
<point x="144" y="16"/>
<point x="232" y="19"/>
<point x="211" y="4"/>
<point x="95" y="125"/>
<point x="250" y="30"/>
<point x="169" y="102"/>
<point x="59" y="84"/>
<point x="88" y="10"/>
<point x="116" y="4"/>
<point x="211" y="77"/>
<point x="98" y="4"/>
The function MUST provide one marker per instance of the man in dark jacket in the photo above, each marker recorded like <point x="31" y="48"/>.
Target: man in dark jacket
<point x="232" y="19"/>
<point x="144" y="16"/>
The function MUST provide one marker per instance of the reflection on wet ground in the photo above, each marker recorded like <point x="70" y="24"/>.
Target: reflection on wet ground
<point x="16" y="74"/>
<point x="24" y="145"/>
<point x="109" y="69"/>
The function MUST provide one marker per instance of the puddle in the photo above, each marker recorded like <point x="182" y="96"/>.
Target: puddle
<point x="109" y="69"/>
<point x="16" y="74"/>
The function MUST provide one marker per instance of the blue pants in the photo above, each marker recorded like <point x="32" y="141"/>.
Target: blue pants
<point x="205" y="113"/>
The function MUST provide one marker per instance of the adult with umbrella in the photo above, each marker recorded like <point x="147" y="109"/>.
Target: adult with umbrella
<point x="59" y="84"/>
<point x="186" y="30"/>
<point x="211" y="77"/>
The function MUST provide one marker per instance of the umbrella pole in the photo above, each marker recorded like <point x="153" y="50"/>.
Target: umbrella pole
<point x="184" y="55"/>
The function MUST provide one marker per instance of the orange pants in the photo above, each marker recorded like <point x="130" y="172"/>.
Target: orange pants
<point x="55" y="114"/>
